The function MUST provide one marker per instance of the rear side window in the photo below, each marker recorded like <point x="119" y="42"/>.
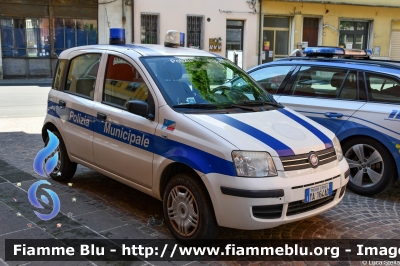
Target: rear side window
<point x="271" y="78"/>
<point x="59" y="75"/>
<point x="349" y="87"/>
<point x="123" y="83"/>
<point x="383" y="88"/>
<point x="82" y="75"/>
<point x="319" y="82"/>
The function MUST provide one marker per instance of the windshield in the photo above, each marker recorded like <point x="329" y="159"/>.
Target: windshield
<point x="204" y="81"/>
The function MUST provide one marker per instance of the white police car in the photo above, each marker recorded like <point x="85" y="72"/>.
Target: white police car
<point x="166" y="121"/>
<point x="359" y="100"/>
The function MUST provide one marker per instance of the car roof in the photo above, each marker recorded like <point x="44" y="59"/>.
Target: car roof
<point x="142" y="49"/>
<point x="383" y="66"/>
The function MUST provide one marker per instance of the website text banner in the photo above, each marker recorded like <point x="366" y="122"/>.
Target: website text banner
<point x="210" y="250"/>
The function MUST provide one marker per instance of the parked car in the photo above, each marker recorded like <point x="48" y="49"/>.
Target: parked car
<point x="355" y="97"/>
<point x="162" y="120"/>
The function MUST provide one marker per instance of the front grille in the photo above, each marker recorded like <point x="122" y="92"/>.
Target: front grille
<point x="300" y="206"/>
<point x="268" y="211"/>
<point x="316" y="183"/>
<point x="301" y="161"/>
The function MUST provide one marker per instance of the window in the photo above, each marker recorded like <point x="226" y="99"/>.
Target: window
<point x="275" y="42"/>
<point x="123" y="83"/>
<point x="234" y="35"/>
<point x="82" y="75"/>
<point x="276" y="22"/>
<point x="271" y="78"/>
<point x="349" y="86"/>
<point x="58" y="77"/>
<point x="353" y="34"/>
<point x="382" y="88"/>
<point x="209" y="81"/>
<point x="195" y="32"/>
<point x="149" y="28"/>
<point x="317" y="81"/>
<point x="25" y="37"/>
<point x="70" y="33"/>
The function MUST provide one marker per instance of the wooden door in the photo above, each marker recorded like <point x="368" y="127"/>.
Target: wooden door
<point x="310" y="31"/>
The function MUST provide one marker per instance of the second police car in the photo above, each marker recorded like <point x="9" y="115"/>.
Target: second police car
<point x="166" y="121"/>
<point x="356" y="97"/>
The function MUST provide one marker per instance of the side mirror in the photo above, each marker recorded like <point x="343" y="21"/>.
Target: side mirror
<point x="139" y="108"/>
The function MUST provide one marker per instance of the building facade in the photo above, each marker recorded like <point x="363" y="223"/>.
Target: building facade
<point x="35" y="32"/>
<point x="249" y="32"/>
<point x="225" y="27"/>
<point x="362" y="24"/>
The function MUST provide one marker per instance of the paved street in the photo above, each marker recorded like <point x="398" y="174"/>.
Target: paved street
<point x="18" y="100"/>
<point x="96" y="206"/>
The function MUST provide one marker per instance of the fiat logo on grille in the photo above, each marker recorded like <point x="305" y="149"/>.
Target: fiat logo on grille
<point x="313" y="159"/>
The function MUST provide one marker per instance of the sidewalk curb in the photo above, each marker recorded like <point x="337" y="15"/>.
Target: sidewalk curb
<point x="47" y="81"/>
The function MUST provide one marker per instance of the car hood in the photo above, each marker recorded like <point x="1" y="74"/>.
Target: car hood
<point x="281" y="132"/>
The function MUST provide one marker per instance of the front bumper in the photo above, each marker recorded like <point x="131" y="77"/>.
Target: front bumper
<point x="275" y="201"/>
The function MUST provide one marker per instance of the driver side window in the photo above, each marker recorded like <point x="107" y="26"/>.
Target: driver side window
<point x="323" y="82"/>
<point x="271" y="78"/>
<point x="123" y="83"/>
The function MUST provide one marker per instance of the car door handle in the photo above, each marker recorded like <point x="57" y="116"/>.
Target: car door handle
<point x="101" y="116"/>
<point x="62" y="103"/>
<point x="333" y="115"/>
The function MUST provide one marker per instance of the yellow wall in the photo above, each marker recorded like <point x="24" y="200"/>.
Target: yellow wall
<point x="396" y="25"/>
<point x="391" y="3"/>
<point x="331" y="14"/>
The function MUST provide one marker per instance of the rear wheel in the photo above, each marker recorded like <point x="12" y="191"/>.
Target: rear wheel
<point x="188" y="210"/>
<point x="65" y="169"/>
<point x="372" y="168"/>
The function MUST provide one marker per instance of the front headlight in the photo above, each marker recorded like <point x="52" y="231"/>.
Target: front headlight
<point x="253" y="164"/>
<point x="338" y="148"/>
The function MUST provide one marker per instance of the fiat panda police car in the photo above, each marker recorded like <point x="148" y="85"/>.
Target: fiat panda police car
<point x="357" y="99"/>
<point x="168" y="122"/>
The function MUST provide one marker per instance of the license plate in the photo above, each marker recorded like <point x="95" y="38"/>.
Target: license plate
<point x="316" y="193"/>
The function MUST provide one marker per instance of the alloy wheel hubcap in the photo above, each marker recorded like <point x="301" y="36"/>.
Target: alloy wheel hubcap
<point x="183" y="211"/>
<point x="366" y="165"/>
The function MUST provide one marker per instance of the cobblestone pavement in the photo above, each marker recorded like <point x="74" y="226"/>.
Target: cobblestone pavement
<point x="104" y="208"/>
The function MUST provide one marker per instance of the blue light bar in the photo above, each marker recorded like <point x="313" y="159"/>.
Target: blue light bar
<point x="323" y="51"/>
<point x="337" y="52"/>
<point x="117" y="36"/>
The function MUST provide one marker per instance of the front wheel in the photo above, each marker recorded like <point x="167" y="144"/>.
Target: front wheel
<point x="372" y="168"/>
<point x="65" y="169"/>
<point x="188" y="210"/>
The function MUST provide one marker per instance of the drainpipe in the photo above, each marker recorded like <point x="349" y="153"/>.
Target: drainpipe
<point x="259" y="34"/>
<point x="123" y="14"/>
<point x="1" y="62"/>
<point x="133" y="20"/>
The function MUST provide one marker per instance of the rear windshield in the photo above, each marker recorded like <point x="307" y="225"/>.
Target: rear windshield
<point x="203" y="80"/>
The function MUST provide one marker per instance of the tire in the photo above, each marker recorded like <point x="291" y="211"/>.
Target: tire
<point x="368" y="178"/>
<point x="65" y="169"/>
<point x="185" y="199"/>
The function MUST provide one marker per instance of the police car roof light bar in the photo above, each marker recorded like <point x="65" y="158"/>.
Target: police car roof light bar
<point x="339" y="52"/>
<point x="117" y="36"/>
<point x="172" y="39"/>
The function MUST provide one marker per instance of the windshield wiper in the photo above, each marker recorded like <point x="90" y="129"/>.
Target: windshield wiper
<point x="257" y="103"/>
<point x="243" y="107"/>
<point x="196" y="106"/>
